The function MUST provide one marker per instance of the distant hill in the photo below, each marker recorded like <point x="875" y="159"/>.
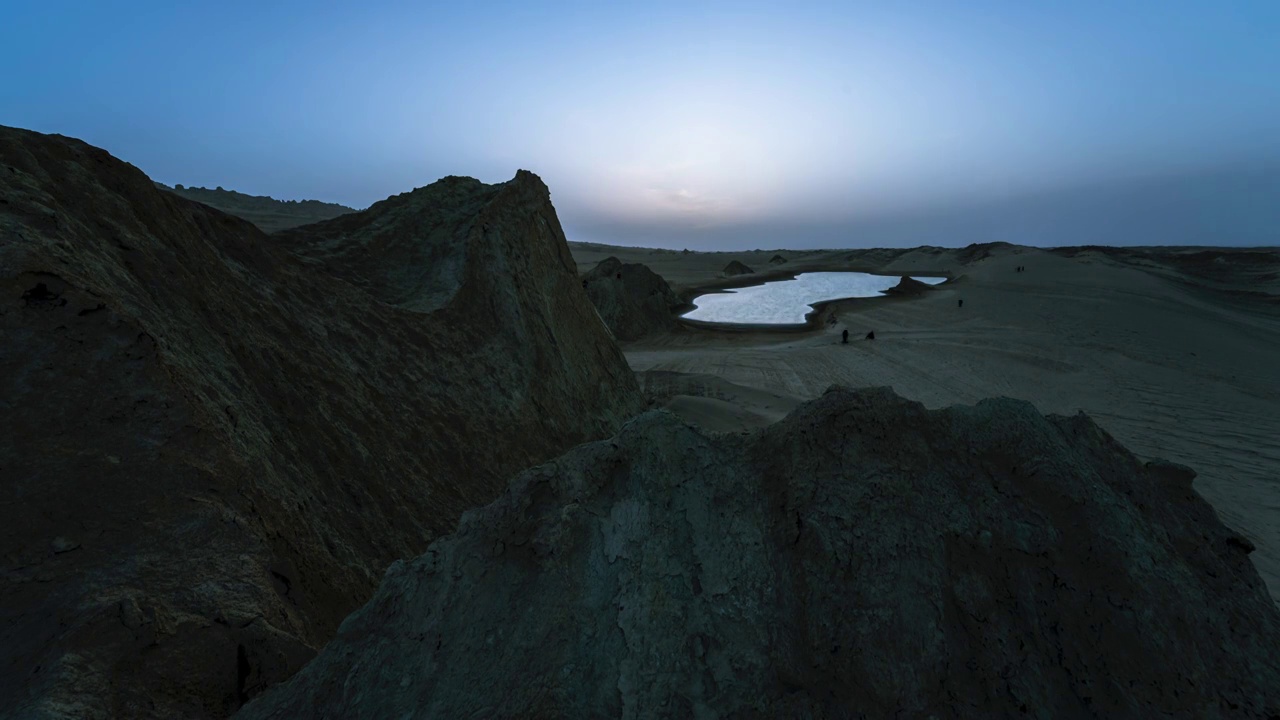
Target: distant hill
<point x="267" y="213"/>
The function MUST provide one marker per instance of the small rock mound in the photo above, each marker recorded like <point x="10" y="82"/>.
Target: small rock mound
<point x="908" y="286"/>
<point x="736" y="268"/>
<point x="777" y="260"/>
<point x="632" y="300"/>
<point x="864" y="557"/>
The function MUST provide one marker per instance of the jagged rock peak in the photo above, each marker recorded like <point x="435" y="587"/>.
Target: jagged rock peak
<point x="413" y="250"/>
<point x="909" y="286"/>
<point x="219" y="448"/>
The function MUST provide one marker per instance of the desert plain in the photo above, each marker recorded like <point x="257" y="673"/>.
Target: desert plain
<point x="1174" y="350"/>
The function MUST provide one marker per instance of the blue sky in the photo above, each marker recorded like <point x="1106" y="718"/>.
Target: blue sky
<point x="716" y="125"/>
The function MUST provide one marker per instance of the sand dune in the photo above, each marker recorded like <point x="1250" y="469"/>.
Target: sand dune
<point x="1173" y="364"/>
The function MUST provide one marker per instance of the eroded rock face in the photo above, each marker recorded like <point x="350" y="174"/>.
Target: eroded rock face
<point x="408" y="250"/>
<point x="632" y="300"/>
<point x="861" y="558"/>
<point x="211" y="450"/>
<point x="737" y="268"/>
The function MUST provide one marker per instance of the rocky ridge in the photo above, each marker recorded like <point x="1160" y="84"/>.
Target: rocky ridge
<point x="864" y="557"/>
<point x="212" y="449"/>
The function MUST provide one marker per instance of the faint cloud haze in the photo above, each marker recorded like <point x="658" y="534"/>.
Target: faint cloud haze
<point x="712" y="125"/>
<point x="1234" y="205"/>
<point x="704" y="210"/>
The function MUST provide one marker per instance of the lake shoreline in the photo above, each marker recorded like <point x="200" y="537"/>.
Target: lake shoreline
<point x="812" y="317"/>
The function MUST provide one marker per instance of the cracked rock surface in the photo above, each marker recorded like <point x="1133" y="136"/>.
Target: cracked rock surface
<point x="211" y="448"/>
<point x="862" y="558"/>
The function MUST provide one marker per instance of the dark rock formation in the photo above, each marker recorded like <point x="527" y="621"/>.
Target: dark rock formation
<point x="405" y="250"/>
<point x="777" y="260"/>
<point x="908" y="287"/>
<point x="865" y="557"/>
<point x="211" y="450"/>
<point x="632" y="300"/>
<point x="736" y="268"/>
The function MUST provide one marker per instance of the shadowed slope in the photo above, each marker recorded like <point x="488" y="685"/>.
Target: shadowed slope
<point x="211" y="451"/>
<point x="861" y="558"/>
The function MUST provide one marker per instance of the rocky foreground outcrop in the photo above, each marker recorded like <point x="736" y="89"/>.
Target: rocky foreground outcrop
<point x="632" y="300"/>
<point x="210" y="450"/>
<point x="269" y="214"/>
<point x="864" y="557"/>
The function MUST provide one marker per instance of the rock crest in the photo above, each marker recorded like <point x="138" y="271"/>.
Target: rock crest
<point x="214" y="448"/>
<point x="863" y="557"/>
<point x="908" y="286"/>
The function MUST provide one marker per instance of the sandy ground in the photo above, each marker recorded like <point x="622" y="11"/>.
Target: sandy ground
<point x="1177" y="355"/>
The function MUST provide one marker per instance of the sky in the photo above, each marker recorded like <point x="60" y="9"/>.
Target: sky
<point x="714" y="125"/>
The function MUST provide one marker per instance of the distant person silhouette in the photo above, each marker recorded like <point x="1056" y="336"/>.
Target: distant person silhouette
<point x="844" y="337"/>
<point x="961" y="302"/>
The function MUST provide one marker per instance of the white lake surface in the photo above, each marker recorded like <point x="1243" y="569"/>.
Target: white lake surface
<point x="786" y="302"/>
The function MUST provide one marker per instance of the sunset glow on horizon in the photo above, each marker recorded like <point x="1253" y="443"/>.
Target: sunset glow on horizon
<point x="711" y="125"/>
